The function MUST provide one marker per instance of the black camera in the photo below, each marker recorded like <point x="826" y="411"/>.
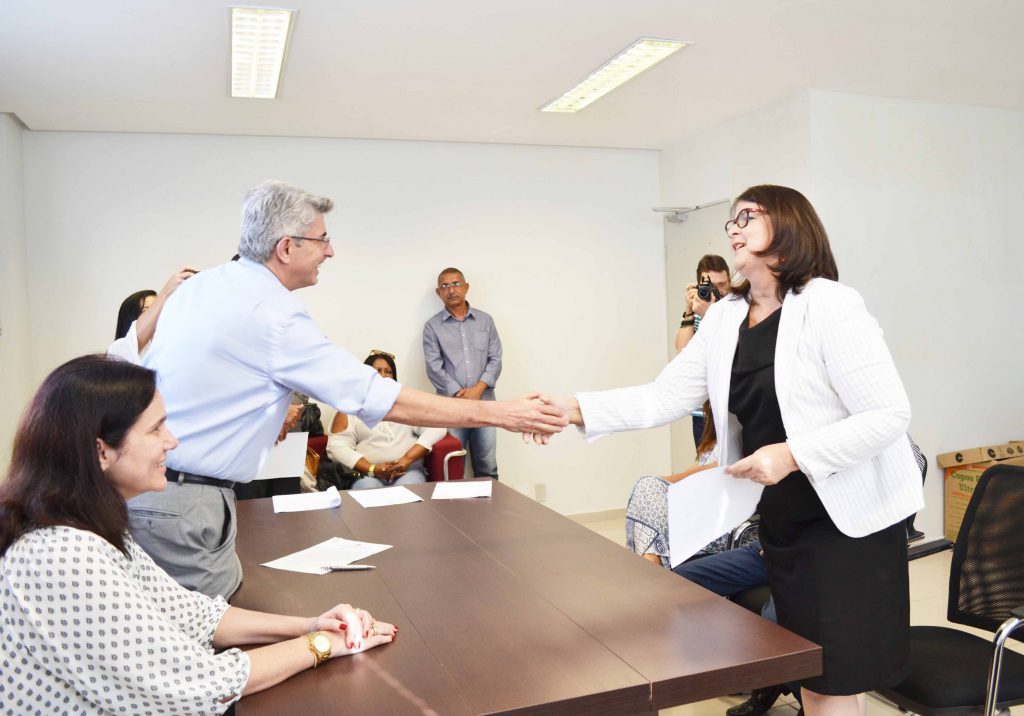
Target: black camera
<point x="706" y="289"/>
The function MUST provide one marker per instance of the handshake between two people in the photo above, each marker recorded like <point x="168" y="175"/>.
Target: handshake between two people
<point x="768" y="465"/>
<point x="543" y="416"/>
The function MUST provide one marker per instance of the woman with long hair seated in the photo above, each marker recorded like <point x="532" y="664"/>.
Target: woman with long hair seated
<point x="647" y="508"/>
<point x="137" y="317"/>
<point x="90" y="624"/>
<point x="386" y="454"/>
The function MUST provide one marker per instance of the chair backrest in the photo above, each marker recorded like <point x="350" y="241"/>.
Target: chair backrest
<point x="986" y="579"/>
<point x="434" y="462"/>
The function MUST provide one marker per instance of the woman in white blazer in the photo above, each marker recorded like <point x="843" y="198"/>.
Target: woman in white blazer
<point x="807" y="402"/>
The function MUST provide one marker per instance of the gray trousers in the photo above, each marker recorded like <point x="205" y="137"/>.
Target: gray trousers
<point x="189" y="530"/>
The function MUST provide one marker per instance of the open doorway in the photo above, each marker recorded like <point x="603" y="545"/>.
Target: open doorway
<point x="699" y="233"/>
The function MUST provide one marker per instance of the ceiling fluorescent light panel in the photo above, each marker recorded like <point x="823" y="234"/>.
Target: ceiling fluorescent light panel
<point x="259" y="37"/>
<point x="641" y="55"/>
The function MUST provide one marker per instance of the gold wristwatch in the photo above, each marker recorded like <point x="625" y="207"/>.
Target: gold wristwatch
<point x="373" y="466"/>
<point x="320" y="645"/>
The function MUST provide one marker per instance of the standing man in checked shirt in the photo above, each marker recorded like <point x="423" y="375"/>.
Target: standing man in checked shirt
<point x="463" y="355"/>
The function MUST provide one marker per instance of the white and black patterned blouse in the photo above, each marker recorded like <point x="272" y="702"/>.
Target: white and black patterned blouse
<point x="85" y="630"/>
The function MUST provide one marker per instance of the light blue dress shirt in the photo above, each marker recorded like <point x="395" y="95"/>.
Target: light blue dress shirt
<point x="231" y="346"/>
<point x="458" y="354"/>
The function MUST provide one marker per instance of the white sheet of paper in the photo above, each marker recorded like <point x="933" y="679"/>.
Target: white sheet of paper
<point x="335" y="552"/>
<point x="459" y="489"/>
<point x="287" y="458"/>
<point x="705" y="506"/>
<point x="384" y="496"/>
<point x="326" y="500"/>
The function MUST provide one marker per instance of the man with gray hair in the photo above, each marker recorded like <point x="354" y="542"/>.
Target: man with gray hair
<point x="232" y="345"/>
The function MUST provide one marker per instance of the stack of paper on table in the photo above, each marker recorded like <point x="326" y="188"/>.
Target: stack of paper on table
<point x="326" y="500"/>
<point x="460" y="489"/>
<point x="335" y="551"/>
<point x="384" y="496"/>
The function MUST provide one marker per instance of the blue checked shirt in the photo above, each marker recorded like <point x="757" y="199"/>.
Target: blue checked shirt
<point x="459" y="354"/>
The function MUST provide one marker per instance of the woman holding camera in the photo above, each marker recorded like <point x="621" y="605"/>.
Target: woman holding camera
<point x="90" y="623"/>
<point x="808" y="403"/>
<point x="713" y="282"/>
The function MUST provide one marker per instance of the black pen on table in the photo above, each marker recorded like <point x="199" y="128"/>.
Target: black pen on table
<point x="349" y="567"/>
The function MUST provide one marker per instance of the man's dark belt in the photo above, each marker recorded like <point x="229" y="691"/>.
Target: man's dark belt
<point x="190" y="479"/>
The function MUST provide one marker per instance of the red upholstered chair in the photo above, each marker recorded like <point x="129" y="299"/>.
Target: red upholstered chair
<point x="319" y="445"/>
<point x="446" y="461"/>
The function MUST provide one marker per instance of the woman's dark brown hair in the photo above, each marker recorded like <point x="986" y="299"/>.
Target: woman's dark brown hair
<point x="708" y="438"/>
<point x="55" y="476"/>
<point x="799" y="243"/>
<point x="374" y="357"/>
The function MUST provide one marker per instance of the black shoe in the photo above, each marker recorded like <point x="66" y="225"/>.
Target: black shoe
<point x="914" y="536"/>
<point x="759" y="702"/>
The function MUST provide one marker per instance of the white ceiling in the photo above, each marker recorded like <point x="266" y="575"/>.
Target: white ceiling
<point x="477" y="70"/>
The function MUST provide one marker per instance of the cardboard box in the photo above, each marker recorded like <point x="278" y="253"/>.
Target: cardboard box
<point x="962" y="471"/>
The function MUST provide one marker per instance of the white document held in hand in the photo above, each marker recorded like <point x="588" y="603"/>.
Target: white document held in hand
<point x="704" y="506"/>
<point x="287" y="458"/>
<point x="335" y="552"/>
<point x="326" y="500"/>
<point x="461" y="488"/>
<point x="384" y="496"/>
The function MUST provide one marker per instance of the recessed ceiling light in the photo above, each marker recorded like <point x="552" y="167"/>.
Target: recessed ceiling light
<point x="641" y="55"/>
<point x="258" y="40"/>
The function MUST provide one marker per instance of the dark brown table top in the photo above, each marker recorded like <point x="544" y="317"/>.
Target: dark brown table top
<point x="504" y="606"/>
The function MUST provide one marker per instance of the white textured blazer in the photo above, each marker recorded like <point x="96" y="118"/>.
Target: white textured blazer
<point x="843" y="405"/>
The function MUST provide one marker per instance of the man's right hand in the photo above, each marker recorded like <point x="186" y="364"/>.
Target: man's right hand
<point x="533" y="413"/>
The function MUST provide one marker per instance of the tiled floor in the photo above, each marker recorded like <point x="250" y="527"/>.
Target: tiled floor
<point x="929" y="588"/>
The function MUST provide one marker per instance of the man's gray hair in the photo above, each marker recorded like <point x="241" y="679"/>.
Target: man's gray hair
<point x="273" y="210"/>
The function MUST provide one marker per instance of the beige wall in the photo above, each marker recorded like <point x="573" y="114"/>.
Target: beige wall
<point x="14" y="331"/>
<point x="919" y="200"/>
<point x="559" y="244"/>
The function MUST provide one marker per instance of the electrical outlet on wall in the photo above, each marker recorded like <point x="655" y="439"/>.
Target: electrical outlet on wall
<point x="540" y="492"/>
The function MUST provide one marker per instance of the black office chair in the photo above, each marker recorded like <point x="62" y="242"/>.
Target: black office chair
<point x="954" y="673"/>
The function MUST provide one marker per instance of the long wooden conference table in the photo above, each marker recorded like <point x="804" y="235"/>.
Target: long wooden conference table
<point x="504" y="607"/>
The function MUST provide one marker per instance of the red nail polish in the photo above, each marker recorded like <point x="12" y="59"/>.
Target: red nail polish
<point x="343" y="626"/>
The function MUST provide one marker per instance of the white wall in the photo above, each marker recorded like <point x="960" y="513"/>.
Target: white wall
<point x="14" y="331"/>
<point x="919" y="200"/>
<point x="769" y="146"/>
<point x="559" y="244"/>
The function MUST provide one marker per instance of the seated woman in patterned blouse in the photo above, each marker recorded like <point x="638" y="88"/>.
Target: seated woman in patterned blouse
<point x="89" y="623"/>
<point x="647" y="507"/>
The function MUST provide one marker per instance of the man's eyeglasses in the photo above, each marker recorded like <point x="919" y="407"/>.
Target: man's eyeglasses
<point x="325" y="240"/>
<point x="453" y="284"/>
<point x="742" y="219"/>
<point x="376" y="352"/>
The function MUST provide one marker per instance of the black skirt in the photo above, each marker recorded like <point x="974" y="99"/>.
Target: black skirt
<point x="850" y="595"/>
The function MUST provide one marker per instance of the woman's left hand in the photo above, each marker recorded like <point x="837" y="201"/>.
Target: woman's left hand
<point x="767" y="466"/>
